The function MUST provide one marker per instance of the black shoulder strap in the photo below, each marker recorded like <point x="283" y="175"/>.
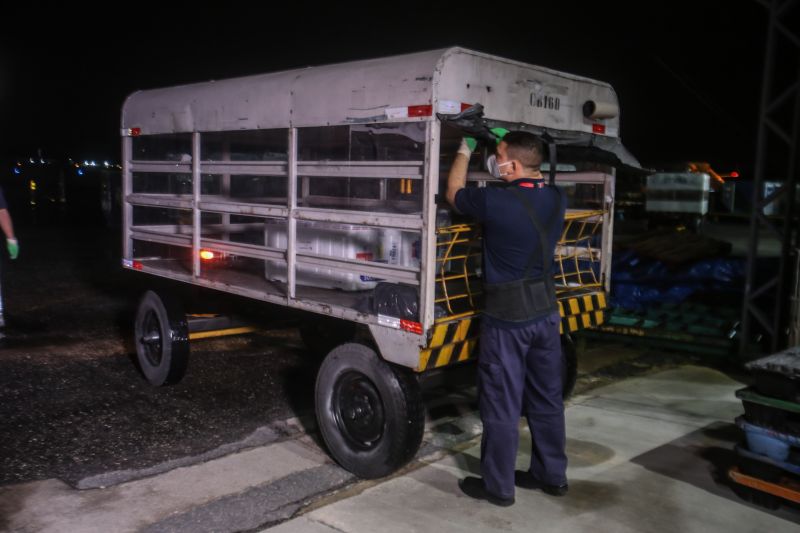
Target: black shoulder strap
<point x="542" y="234"/>
<point x="553" y="159"/>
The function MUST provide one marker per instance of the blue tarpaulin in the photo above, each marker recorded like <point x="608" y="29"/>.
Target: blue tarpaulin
<point x="637" y="282"/>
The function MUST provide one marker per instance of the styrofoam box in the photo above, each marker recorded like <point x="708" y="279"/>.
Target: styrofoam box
<point x="680" y="192"/>
<point x="346" y="241"/>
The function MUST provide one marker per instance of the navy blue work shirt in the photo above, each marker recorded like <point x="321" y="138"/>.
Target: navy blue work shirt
<point x="509" y="236"/>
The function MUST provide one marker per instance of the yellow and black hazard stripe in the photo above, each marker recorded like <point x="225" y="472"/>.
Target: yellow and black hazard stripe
<point x="451" y="342"/>
<point x="455" y="341"/>
<point x="582" y="311"/>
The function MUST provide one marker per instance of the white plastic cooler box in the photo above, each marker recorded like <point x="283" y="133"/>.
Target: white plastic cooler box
<point x="347" y="241"/>
<point x="678" y="192"/>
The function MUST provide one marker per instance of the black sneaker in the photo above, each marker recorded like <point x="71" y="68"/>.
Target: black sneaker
<point x="474" y="488"/>
<point x="525" y="480"/>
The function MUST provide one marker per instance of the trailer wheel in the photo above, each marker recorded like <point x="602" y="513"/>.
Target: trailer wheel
<point x="569" y="369"/>
<point x="370" y="414"/>
<point x="162" y="339"/>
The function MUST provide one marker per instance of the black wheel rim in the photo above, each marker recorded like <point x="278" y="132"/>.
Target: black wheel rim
<point x="151" y="338"/>
<point x="358" y="410"/>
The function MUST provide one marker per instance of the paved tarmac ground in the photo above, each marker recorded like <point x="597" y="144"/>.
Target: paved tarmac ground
<point x="646" y="454"/>
<point x="72" y="401"/>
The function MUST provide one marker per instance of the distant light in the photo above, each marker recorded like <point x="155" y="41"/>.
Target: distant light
<point x="85" y="163"/>
<point x="734" y="174"/>
<point x="206" y="255"/>
<point x="80" y="172"/>
<point x="41" y="161"/>
<point x="93" y="164"/>
<point x="105" y="163"/>
<point x="31" y="160"/>
<point x="17" y="170"/>
<point x="32" y="185"/>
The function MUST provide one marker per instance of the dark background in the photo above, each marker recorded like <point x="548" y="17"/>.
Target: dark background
<point x="688" y="74"/>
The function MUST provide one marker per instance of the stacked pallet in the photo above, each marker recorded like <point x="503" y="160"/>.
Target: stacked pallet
<point x="767" y="469"/>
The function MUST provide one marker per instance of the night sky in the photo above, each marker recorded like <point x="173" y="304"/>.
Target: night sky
<point x="688" y="74"/>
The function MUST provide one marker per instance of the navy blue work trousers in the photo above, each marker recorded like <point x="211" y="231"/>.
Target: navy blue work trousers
<point x="520" y="373"/>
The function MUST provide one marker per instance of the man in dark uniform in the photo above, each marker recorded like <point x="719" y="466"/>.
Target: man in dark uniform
<point x="519" y="364"/>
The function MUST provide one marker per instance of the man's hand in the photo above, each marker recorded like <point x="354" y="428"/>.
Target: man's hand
<point x="13" y="248"/>
<point x="499" y="133"/>
<point x="467" y="146"/>
<point x="458" y="172"/>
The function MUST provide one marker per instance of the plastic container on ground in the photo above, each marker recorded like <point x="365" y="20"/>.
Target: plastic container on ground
<point x="770" y="413"/>
<point x="769" y="442"/>
<point x="764" y="444"/>
<point x="778" y="375"/>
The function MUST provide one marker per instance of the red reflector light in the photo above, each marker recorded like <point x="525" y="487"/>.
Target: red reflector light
<point x="137" y="265"/>
<point x="206" y="255"/>
<point x="413" y="327"/>
<point x="464" y="106"/>
<point x="734" y="174"/>
<point x="135" y="132"/>
<point x="598" y="128"/>
<point x="420" y="110"/>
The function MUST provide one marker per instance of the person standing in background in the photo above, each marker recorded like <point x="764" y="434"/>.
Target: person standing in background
<point x="7" y="226"/>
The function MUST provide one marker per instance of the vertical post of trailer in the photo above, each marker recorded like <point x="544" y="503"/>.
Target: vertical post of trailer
<point x="291" y="222"/>
<point x="225" y="190"/>
<point x="196" y="218"/>
<point x="127" y="190"/>
<point x="608" y="229"/>
<point x="428" y="249"/>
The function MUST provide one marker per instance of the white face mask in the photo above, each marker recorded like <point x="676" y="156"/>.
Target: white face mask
<point x="494" y="168"/>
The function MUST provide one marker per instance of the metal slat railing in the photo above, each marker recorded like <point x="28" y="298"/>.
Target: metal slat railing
<point x="458" y="263"/>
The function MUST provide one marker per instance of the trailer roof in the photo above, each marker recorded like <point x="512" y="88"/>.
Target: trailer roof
<point x="371" y="91"/>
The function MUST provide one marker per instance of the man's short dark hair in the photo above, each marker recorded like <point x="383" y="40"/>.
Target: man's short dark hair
<point x="526" y="148"/>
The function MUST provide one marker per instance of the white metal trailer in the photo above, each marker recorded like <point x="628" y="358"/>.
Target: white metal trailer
<point x="318" y="189"/>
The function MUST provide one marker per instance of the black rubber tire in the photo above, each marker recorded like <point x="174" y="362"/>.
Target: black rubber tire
<point x="321" y="334"/>
<point x="370" y="413"/>
<point x="161" y="335"/>
<point x="569" y="369"/>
